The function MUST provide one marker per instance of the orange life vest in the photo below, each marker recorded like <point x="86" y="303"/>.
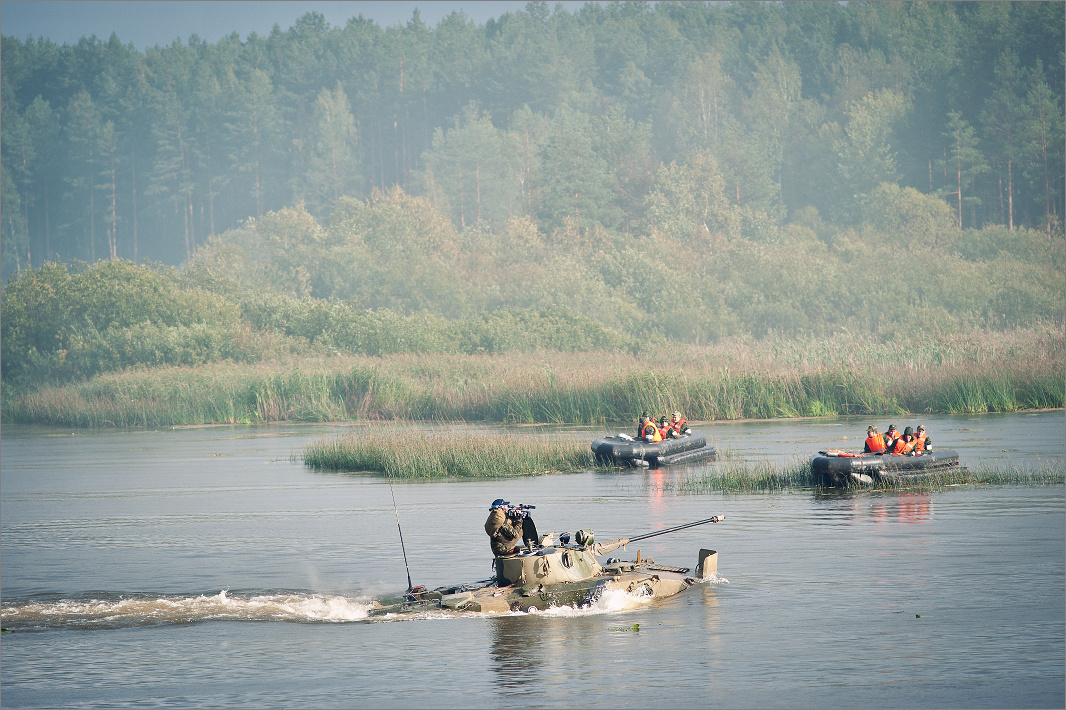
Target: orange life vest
<point x="650" y="431"/>
<point x="677" y="426"/>
<point x="902" y="447"/>
<point x="919" y="442"/>
<point x="875" y="444"/>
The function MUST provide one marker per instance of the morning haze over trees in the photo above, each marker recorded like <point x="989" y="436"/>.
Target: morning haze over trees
<point x="623" y="176"/>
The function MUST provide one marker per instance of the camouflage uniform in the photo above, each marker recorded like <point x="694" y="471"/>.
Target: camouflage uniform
<point x="504" y="533"/>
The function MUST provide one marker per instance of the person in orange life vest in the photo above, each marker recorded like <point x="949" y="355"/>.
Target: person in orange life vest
<point x="890" y="436"/>
<point x="875" y="443"/>
<point x="911" y="439"/>
<point x="905" y="444"/>
<point x="664" y="427"/>
<point x="648" y="431"/>
<point x="922" y="441"/>
<point x="678" y="426"/>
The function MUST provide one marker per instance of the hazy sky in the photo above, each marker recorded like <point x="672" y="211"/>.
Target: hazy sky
<point x="160" y="22"/>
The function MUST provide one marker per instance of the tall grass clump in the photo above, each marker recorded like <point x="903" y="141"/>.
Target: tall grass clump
<point x="402" y="453"/>
<point x="218" y="393"/>
<point x="758" y="477"/>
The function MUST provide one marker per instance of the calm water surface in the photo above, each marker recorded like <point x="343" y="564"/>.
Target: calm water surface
<point x="205" y="568"/>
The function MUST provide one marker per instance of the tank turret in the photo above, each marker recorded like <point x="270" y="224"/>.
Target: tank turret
<point x="547" y="565"/>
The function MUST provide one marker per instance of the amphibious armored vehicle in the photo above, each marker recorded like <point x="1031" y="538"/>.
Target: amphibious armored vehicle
<point x="558" y="573"/>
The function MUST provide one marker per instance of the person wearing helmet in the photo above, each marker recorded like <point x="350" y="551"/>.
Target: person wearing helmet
<point x="504" y="530"/>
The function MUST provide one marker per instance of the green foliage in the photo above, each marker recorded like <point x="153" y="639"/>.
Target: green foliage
<point x="338" y="327"/>
<point x="687" y="202"/>
<point x="595" y="181"/>
<point x="526" y="329"/>
<point x="1025" y="245"/>
<point x="541" y="113"/>
<point x="914" y="220"/>
<point x="471" y="171"/>
<point x="65" y="322"/>
<point x="327" y="167"/>
<point x="575" y="179"/>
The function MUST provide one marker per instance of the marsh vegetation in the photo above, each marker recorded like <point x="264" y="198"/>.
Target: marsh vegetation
<point x="736" y="378"/>
<point x="831" y="242"/>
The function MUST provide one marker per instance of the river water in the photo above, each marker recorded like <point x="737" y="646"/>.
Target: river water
<point x="206" y="567"/>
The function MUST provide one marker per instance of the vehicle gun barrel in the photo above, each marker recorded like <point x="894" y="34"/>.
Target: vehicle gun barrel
<point x="645" y="536"/>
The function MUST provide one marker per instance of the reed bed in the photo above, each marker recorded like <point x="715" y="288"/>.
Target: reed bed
<point x="734" y="379"/>
<point x="740" y="477"/>
<point x="398" y="453"/>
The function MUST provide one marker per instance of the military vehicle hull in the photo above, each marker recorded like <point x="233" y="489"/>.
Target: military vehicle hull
<point x="553" y="576"/>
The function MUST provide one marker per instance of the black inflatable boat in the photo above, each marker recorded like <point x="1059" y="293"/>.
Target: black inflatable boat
<point x="841" y="468"/>
<point x="626" y="451"/>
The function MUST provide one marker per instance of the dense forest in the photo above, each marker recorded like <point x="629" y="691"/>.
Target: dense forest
<point x="564" y="119"/>
<point x="624" y="174"/>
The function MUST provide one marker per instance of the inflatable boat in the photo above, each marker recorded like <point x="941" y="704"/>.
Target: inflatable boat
<point x="839" y="468"/>
<point x="622" y="450"/>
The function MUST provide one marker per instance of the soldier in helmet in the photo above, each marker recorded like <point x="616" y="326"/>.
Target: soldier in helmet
<point x="504" y="530"/>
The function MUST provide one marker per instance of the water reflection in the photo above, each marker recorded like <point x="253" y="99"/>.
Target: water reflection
<point x="517" y="655"/>
<point x="850" y="507"/>
<point x="909" y="508"/>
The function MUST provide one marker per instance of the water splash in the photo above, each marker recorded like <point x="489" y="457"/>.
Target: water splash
<point x="129" y="611"/>
<point x="156" y="610"/>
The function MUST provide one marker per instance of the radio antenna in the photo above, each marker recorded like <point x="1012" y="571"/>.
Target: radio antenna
<point x="397" y="512"/>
